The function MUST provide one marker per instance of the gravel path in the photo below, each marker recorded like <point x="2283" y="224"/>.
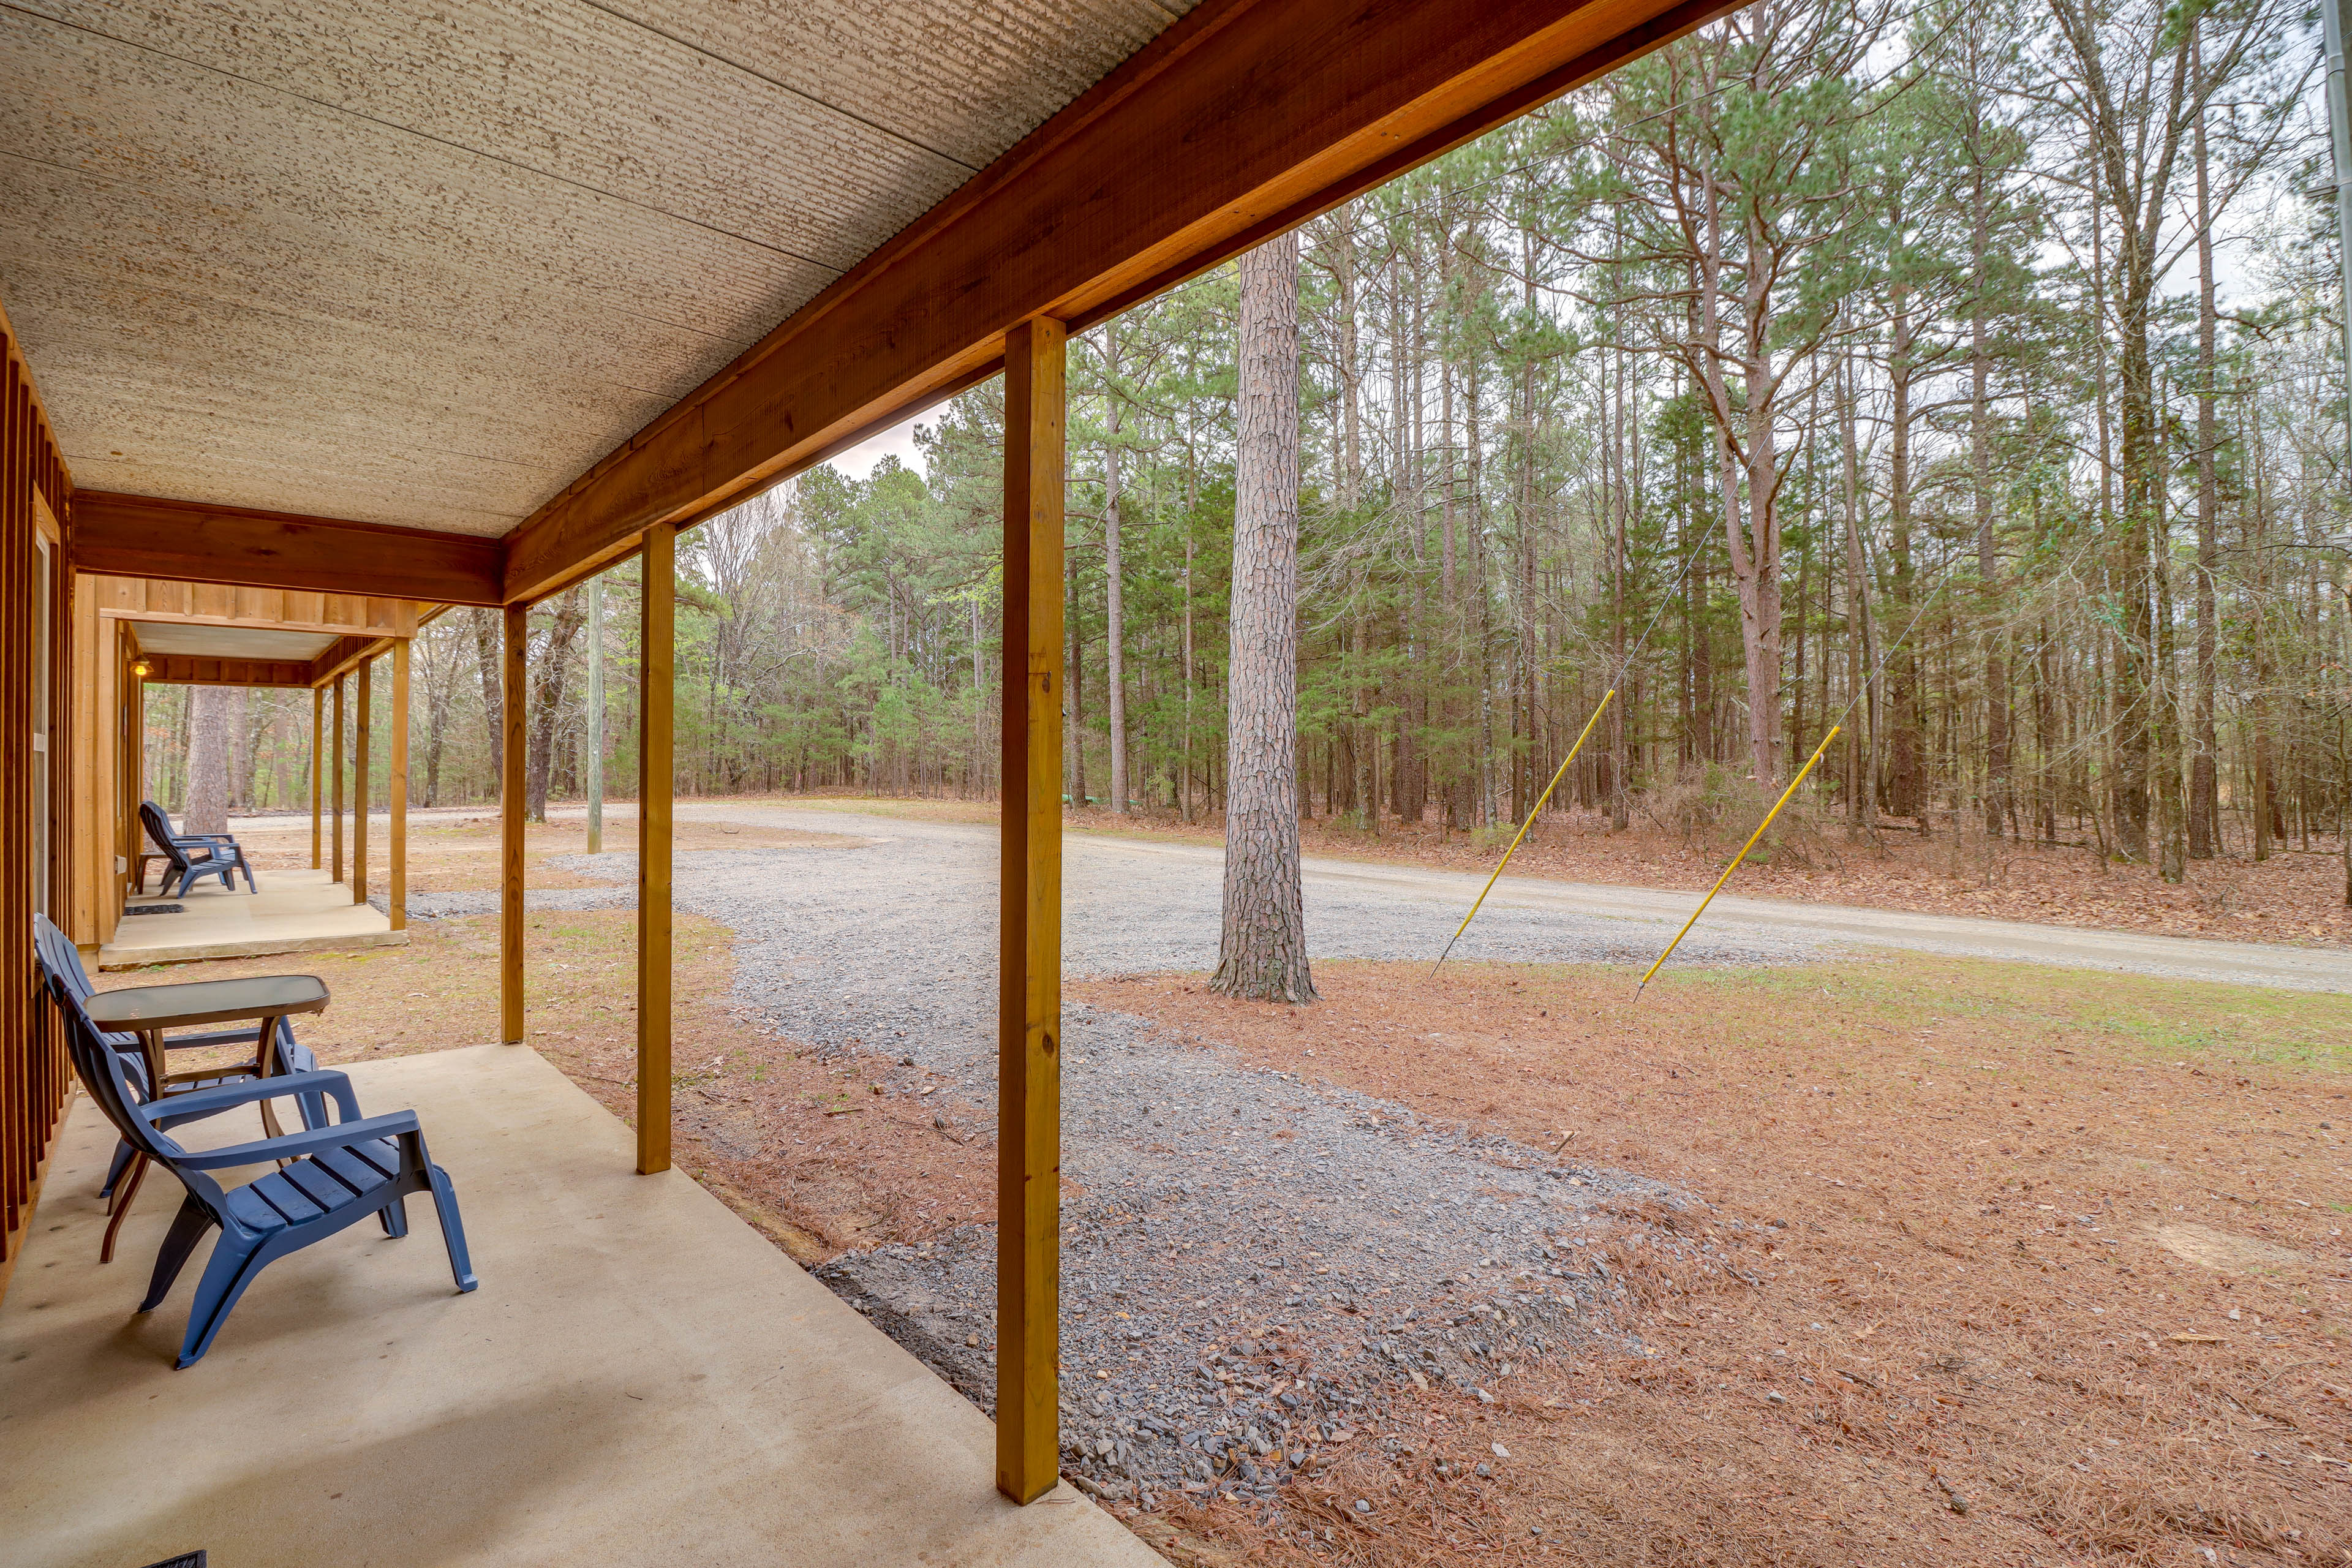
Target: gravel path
<point x="482" y="902"/>
<point x="1251" y="1262"/>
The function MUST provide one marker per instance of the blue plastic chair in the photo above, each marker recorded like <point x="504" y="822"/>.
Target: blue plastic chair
<point x="188" y="856"/>
<point x="61" y="961"/>
<point x="338" y="1175"/>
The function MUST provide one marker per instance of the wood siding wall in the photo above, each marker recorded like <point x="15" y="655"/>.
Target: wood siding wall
<point x="35" y="500"/>
<point x="206" y="603"/>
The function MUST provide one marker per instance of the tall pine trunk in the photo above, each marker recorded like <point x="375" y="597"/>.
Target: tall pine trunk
<point x="546" y="700"/>
<point x="1262" y="949"/>
<point x="1995" y="651"/>
<point x="489" y="636"/>
<point x="211" y="718"/>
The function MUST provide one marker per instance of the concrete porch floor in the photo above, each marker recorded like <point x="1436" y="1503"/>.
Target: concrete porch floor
<point x="294" y="911"/>
<point x="640" y="1379"/>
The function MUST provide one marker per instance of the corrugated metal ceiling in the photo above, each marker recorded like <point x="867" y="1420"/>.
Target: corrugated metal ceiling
<point x="230" y="642"/>
<point x="421" y="264"/>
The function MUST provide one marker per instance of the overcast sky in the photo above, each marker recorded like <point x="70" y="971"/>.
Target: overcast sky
<point x="2234" y="279"/>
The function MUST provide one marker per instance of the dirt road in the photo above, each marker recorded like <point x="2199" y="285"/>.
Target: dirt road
<point x="1364" y="909"/>
<point x="1426" y="905"/>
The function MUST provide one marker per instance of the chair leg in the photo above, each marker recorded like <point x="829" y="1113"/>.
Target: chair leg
<point x="453" y="1229"/>
<point x="188" y="1227"/>
<point x="234" y="1261"/>
<point x="395" y="1216"/>
<point x="123" y="1154"/>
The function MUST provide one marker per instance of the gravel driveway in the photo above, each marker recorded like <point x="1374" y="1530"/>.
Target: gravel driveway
<point x="1251" y="1261"/>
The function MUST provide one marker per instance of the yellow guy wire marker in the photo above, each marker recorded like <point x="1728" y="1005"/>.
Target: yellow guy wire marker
<point x="1530" y="821"/>
<point x="1736" y="860"/>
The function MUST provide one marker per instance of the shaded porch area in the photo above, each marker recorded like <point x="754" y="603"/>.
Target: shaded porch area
<point x="292" y="912"/>
<point x="640" y="1376"/>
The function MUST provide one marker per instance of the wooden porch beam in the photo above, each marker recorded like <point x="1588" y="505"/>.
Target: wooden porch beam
<point x="346" y="655"/>
<point x="1029" y="975"/>
<point x="1246" y="118"/>
<point x="186" y="669"/>
<point x="192" y="542"/>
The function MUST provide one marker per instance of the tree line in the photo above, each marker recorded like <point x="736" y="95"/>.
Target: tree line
<point x="1967" y="376"/>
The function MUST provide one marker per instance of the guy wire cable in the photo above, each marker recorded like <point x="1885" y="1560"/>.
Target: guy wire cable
<point x="1819" y="752"/>
<point x="1626" y="664"/>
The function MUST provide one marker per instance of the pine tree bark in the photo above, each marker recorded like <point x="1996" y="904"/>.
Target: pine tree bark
<point x="1262" y="949"/>
<point x="1905" y="789"/>
<point x="211" y="715"/>
<point x="486" y="656"/>
<point x="241" y="747"/>
<point x="1861" y="670"/>
<point x="1995" y="650"/>
<point x="546" y="700"/>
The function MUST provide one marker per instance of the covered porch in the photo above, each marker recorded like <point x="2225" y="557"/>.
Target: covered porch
<point x="466" y="311"/>
<point x="291" y="913"/>
<point x="638" y="1365"/>
<point x="138" y="634"/>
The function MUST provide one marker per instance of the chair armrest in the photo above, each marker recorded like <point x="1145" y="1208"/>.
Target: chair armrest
<point x="295" y="1144"/>
<point x="204" y="1102"/>
<point x="203" y="839"/>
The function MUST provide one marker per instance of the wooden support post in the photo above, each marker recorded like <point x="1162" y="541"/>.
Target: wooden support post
<point x="335" y="772"/>
<point x="318" y="772"/>
<point x="1029" y="978"/>
<point x="361" y="744"/>
<point x="592" y="742"/>
<point x="511" y="716"/>
<point x="396" y="890"/>
<point x="657" y="664"/>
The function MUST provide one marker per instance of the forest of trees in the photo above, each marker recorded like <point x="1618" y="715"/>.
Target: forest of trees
<point x="1969" y="374"/>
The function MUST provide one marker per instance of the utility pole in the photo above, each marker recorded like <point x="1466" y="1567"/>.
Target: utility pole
<point x="595" y="739"/>
<point x="2335" y="18"/>
<point x="2336" y="22"/>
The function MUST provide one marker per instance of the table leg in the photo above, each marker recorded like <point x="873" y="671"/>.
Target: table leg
<point x="265" y="1060"/>
<point x="122" y="1196"/>
<point x="151" y="1045"/>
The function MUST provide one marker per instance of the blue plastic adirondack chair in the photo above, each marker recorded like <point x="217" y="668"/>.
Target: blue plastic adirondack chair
<point x="188" y="856"/>
<point x="339" y="1175"/>
<point x="61" y="961"/>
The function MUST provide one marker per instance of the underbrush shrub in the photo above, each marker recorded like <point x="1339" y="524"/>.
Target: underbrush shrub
<point x="1712" y="808"/>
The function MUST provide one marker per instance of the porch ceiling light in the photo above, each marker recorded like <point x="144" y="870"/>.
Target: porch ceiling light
<point x="141" y="668"/>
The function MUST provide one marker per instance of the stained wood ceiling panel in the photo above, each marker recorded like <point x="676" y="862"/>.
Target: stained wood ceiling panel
<point x="421" y="264"/>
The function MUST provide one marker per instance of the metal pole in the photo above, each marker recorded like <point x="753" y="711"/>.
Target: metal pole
<point x="595" y="715"/>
